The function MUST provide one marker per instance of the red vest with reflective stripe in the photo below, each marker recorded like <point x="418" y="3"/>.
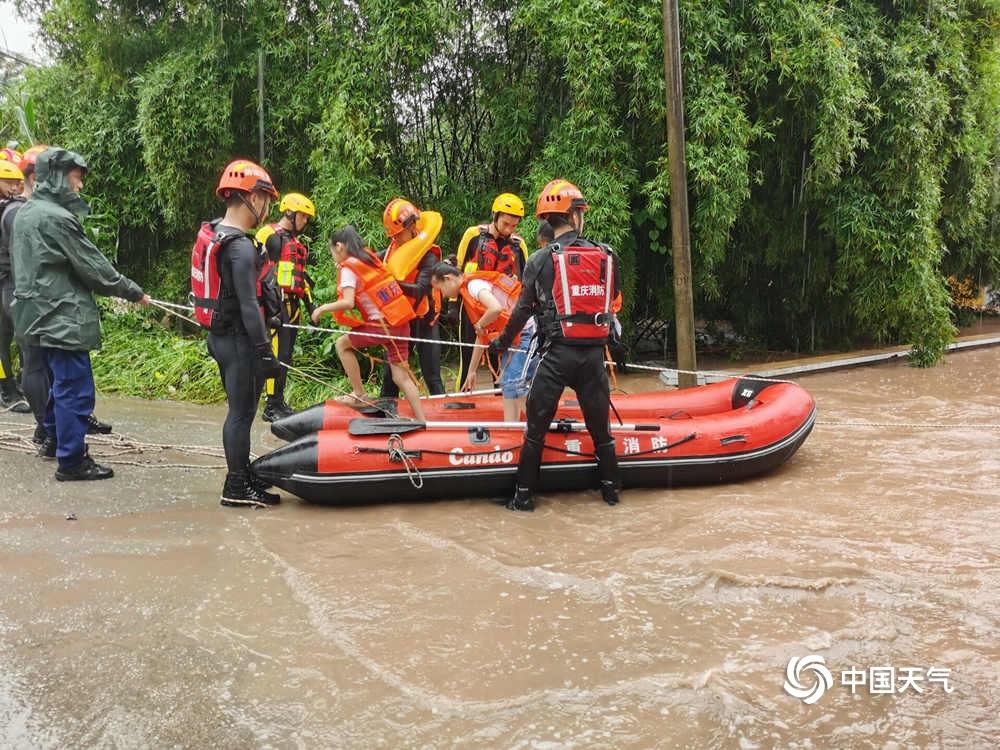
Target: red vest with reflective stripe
<point x="582" y="290"/>
<point x="208" y="296"/>
<point x="291" y="271"/>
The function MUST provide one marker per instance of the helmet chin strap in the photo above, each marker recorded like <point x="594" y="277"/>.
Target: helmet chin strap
<point x="258" y="217"/>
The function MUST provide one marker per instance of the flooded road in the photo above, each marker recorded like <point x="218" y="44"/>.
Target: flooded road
<point x="159" y="619"/>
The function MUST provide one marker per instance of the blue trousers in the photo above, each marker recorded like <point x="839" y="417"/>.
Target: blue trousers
<point x="71" y="403"/>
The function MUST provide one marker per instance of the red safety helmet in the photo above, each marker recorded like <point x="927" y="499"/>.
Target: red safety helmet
<point x="30" y="156"/>
<point x="398" y="215"/>
<point x="560" y="197"/>
<point x="246" y="177"/>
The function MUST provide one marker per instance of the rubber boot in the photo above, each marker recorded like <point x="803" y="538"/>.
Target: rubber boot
<point x="521" y="501"/>
<point x="607" y="469"/>
<point x="240" y="492"/>
<point x="609" y="491"/>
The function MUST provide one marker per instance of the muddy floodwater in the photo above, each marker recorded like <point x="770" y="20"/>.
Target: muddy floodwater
<point x="158" y="619"/>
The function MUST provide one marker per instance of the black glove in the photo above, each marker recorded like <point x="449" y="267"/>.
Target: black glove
<point x="265" y="366"/>
<point x="497" y="349"/>
<point x="275" y="323"/>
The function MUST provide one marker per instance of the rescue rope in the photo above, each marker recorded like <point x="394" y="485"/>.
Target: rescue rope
<point x="397" y="453"/>
<point x="720" y="374"/>
<point x="110" y="449"/>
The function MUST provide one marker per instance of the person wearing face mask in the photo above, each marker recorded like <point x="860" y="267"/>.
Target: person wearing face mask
<point x="57" y="271"/>
<point x="570" y="286"/>
<point x="228" y="286"/>
<point x="489" y="247"/>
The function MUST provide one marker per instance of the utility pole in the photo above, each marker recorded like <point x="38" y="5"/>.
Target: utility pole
<point x="260" y="103"/>
<point x="679" y="229"/>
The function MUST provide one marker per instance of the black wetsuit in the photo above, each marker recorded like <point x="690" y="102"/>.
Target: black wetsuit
<point x="573" y="363"/>
<point x="426" y="327"/>
<point x="238" y="341"/>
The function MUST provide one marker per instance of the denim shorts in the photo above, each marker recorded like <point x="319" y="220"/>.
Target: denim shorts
<point x="518" y="370"/>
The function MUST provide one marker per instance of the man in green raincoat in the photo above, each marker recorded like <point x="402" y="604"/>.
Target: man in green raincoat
<point x="57" y="270"/>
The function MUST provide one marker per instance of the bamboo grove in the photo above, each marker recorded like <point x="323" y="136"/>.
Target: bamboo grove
<point x="843" y="156"/>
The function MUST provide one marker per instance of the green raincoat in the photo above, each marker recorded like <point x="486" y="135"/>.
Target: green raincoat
<point x="56" y="268"/>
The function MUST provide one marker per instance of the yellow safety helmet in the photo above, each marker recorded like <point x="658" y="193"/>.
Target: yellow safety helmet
<point x="297" y="202"/>
<point x="9" y="171"/>
<point x="508" y="203"/>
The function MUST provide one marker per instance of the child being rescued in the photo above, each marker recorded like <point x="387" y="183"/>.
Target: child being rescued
<point x="488" y="298"/>
<point x="367" y="286"/>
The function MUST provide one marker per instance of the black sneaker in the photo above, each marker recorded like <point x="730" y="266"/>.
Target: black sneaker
<point x="40" y="434"/>
<point x="240" y="492"/>
<point x="47" y="449"/>
<point x="263" y="487"/>
<point x="609" y="491"/>
<point x="275" y="410"/>
<point x="86" y="470"/>
<point x="13" y="400"/>
<point x="97" y="427"/>
<point x="521" y="501"/>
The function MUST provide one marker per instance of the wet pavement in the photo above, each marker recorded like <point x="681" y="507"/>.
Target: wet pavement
<point x="159" y="619"/>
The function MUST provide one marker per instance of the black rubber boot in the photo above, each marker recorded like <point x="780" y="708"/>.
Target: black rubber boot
<point x="609" y="491"/>
<point x="240" y="492"/>
<point x="521" y="501"/>
<point x="86" y="470"/>
<point x="97" y="427"/>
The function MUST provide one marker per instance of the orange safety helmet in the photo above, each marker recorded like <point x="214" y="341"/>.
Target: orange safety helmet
<point x="560" y="197"/>
<point x="246" y="177"/>
<point x="398" y="215"/>
<point x="31" y="156"/>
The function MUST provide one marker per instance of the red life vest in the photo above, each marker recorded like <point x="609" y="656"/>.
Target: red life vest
<point x="380" y="288"/>
<point x="491" y="255"/>
<point x="207" y="293"/>
<point x="291" y="266"/>
<point x="582" y="290"/>
<point x="504" y="287"/>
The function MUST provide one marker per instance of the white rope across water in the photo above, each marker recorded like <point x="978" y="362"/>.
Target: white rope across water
<point x="719" y="374"/>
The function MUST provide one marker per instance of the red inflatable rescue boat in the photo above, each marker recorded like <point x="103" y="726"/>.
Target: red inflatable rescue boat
<point x="714" y="433"/>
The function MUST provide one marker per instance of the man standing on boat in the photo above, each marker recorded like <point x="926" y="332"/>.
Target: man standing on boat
<point x="569" y="285"/>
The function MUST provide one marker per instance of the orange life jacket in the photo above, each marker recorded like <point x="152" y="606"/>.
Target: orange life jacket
<point x="504" y="287"/>
<point x="380" y="288"/>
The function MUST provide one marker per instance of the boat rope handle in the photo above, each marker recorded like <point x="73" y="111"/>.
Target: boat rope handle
<point x="397" y="453"/>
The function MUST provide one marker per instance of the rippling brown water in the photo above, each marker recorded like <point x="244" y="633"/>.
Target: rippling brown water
<point x="159" y="619"/>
